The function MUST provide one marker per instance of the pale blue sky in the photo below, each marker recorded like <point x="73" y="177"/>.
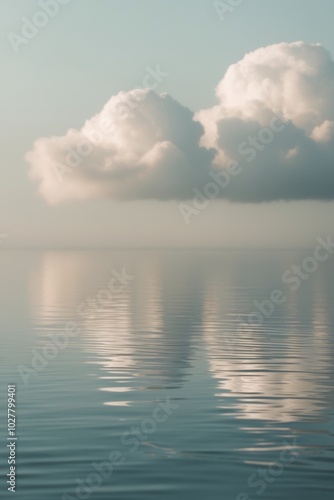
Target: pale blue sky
<point x="92" y="50"/>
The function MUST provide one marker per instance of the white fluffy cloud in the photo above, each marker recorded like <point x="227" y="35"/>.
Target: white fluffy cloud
<point x="147" y="146"/>
<point x="141" y="145"/>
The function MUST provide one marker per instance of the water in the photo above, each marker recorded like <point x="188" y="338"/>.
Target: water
<point x="194" y="399"/>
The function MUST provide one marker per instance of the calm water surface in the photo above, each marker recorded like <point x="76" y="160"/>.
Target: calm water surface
<point x="249" y="406"/>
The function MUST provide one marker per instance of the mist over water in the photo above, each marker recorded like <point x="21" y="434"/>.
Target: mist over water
<point x="250" y="406"/>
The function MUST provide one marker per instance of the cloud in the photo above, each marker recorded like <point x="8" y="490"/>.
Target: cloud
<point x="274" y="118"/>
<point x="141" y="145"/>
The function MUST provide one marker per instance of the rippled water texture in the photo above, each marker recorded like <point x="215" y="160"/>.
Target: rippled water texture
<point x="198" y="398"/>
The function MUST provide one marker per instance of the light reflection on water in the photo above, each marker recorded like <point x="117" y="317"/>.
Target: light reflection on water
<point x="172" y="332"/>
